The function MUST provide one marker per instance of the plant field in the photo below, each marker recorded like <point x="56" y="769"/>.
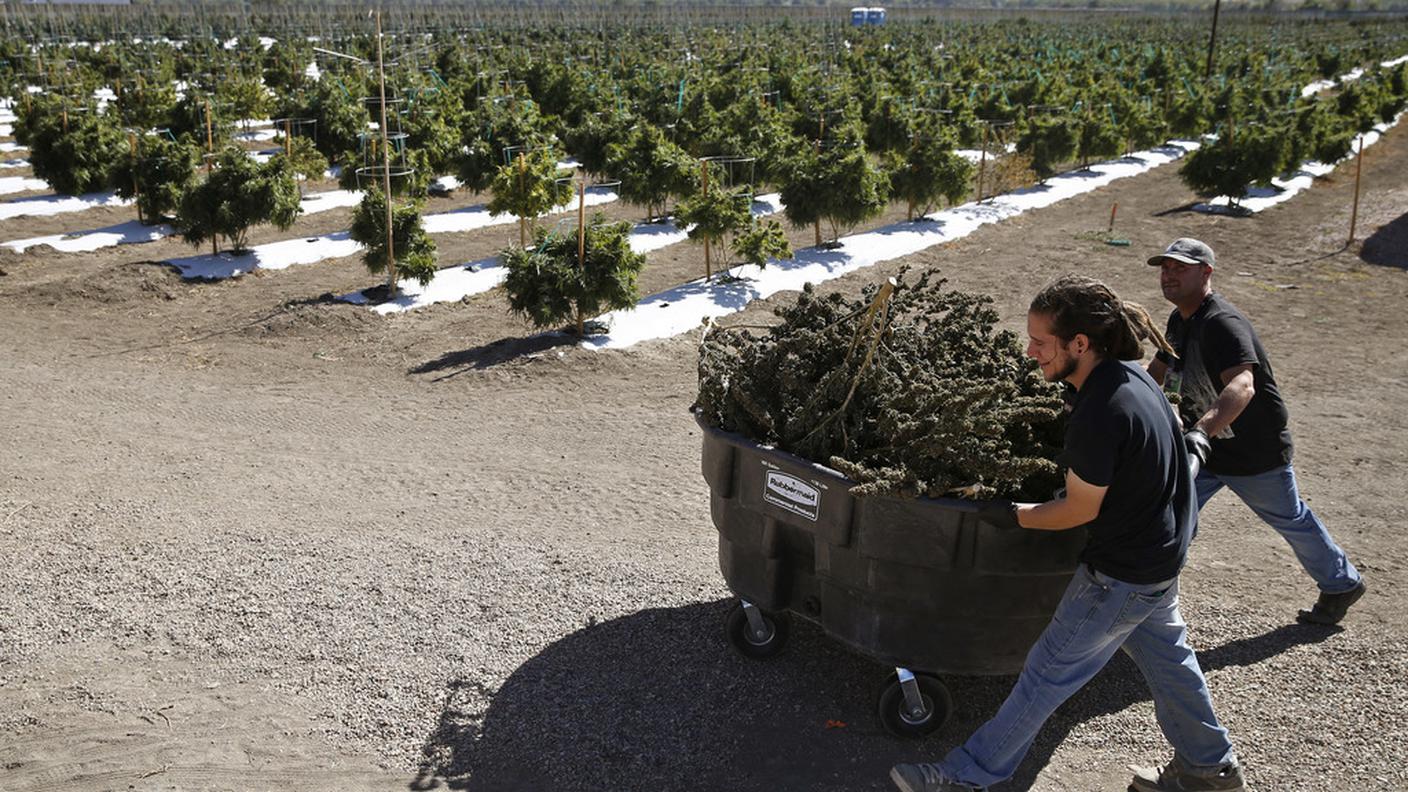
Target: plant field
<point x="285" y="506"/>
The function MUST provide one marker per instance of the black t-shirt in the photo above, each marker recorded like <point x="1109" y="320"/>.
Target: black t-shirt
<point x="1122" y="434"/>
<point x="1215" y="338"/>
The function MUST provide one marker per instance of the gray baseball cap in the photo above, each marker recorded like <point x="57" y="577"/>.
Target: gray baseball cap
<point x="1188" y="251"/>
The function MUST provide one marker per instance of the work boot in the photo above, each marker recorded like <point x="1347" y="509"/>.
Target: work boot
<point x="926" y="778"/>
<point x="1177" y="776"/>
<point x="1330" y="608"/>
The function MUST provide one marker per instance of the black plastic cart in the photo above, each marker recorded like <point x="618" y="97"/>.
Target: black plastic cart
<point x="916" y="583"/>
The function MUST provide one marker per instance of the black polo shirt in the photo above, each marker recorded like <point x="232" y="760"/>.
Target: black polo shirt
<point x="1215" y="338"/>
<point x="1122" y="434"/>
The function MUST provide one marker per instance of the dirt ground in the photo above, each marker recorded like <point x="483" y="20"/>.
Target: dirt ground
<point x="254" y="539"/>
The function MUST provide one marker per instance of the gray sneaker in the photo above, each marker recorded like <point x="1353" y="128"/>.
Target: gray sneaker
<point x="1176" y="776"/>
<point x="926" y="778"/>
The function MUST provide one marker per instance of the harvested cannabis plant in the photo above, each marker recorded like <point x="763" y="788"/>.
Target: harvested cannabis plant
<point x="907" y="390"/>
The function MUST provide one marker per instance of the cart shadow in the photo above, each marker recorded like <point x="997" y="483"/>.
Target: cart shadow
<point x="656" y="700"/>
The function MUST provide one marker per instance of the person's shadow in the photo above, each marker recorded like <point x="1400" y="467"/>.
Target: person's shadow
<point x="657" y="700"/>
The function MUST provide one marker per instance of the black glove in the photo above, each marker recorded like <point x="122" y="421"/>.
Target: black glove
<point x="999" y="514"/>
<point x="1199" y="448"/>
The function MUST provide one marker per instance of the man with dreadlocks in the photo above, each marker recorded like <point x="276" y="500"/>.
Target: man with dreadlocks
<point x="1130" y="484"/>
<point x="1229" y="393"/>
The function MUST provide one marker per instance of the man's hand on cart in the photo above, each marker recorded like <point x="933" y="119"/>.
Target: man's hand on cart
<point x="999" y="514"/>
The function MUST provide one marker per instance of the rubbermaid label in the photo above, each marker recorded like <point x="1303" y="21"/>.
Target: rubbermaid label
<point x="792" y="494"/>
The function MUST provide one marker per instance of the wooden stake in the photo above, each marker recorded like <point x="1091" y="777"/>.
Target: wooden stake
<point x="136" y="189"/>
<point x="386" y="166"/>
<point x="983" y="163"/>
<point x="1113" y="209"/>
<point x="704" y="181"/>
<point x="581" y="224"/>
<point x="522" y="181"/>
<point x="1358" y="170"/>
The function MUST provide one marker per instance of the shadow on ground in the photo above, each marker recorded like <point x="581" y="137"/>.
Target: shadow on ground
<point x="1388" y="246"/>
<point x="494" y="353"/>
<point x="656" y="700"/>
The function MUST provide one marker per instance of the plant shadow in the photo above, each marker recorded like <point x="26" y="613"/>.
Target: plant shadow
<point x="494" y="353"/>
<point x="1388" y="246"/>
<point x="656" y="700"/>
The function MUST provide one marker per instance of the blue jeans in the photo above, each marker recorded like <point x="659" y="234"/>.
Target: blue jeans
<point x="1097" y="616"/>
<point x="1273" y="497"/>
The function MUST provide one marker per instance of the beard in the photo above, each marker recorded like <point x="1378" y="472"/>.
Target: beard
<point x="1065" y="369"/>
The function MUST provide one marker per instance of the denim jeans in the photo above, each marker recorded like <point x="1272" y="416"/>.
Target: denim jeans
<point x="1097" y="616"/>
<point x="1274" y="498"/>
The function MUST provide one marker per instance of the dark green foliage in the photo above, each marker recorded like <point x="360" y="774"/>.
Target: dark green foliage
<point x="1097" y="136"/>
<point x="493" y="132"/>
<point x="528" y="187"/>
<point x="238" y="194"/>
<point x="414" y="249"/>
<point x="761" y="242"/>
<point x="187" y="120"/>
<point x="838" y="184"/>
<point x="340" y="119"/>
<point x="651" y="169"/>
<point x="593" y="137"/>
<point x="304" y="159"/>
<point x="161" y="172"/>
<point x="920" y="396"/>
<point x="431" y="124"/>
<point x="82" y="159"/>
<point x="928" y="171"/>
<point x="145" y="104"/>
<point x="1239" y="158"/>
<point x="1049" y="141"/>
<point x="547" y="285"/>
<point x="711" y="216"/>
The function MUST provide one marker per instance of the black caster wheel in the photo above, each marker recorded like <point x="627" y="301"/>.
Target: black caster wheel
<point x="902" y="719"/>
<point x="751" y="643"/>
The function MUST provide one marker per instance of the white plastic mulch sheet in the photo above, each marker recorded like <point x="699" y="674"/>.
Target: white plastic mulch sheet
<point x="135" y="233"/>
<point x="14" y="184"/>
<point x="455" y="283"/>
<point x="1284" y="189"/>
<point x="1324" y="85"/>
<point x="44" y="205"/>
<point x="128" y="233"/>
<point x="9" y="146"/>
<point x="684" y="307"/>
<point x="308" y="250"/>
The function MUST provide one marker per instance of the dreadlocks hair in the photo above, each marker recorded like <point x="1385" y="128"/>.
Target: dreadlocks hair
<point x="1115" y="328"/>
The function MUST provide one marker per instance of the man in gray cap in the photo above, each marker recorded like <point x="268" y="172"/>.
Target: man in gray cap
<point x="1228" y="393"/>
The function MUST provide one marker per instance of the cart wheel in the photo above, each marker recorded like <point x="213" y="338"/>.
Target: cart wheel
<point x="896" y="715"/>
<point x="746" y="642"/>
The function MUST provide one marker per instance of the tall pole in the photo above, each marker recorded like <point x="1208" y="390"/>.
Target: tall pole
<point x="1212" y="41"/>
<point x="136" y="185"/>
<point x="385" y="167"/>
<point x="1354" y="213"/>
<point x="983" y="162"/>
<point x="581" y="246"/>
<point x="704" y="183"/>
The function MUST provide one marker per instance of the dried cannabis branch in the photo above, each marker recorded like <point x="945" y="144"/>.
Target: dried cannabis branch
<point x="914" y="395"/>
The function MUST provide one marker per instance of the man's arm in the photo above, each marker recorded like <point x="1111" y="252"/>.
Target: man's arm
<point x="1157" y="370"/>
<point x="1238" y="388"/>
<point x="1079" y="506"/>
